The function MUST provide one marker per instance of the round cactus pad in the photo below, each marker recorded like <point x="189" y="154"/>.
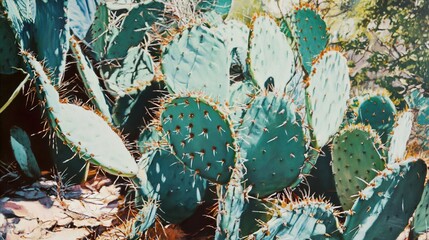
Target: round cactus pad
<point x="197" y="60"/>
<point x="201" y="136"/>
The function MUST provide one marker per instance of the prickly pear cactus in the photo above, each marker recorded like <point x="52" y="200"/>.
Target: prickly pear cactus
<point x="271" y="59"/>
<point x="327" y="93"/>
<point x="379" y="112"/>
<point x="355" y="156"/>
<point x="311" y="33"/>
<point x="200" y="135"/>
<point x="180" y="191"/>
<point x="9" y="58"/>
<point x="272" y="143"/>
<point x="399" y="138"/>
<point x="21" y="147"/>
<point x="95" y="140"/>
<point x="384" y="207"/>
<point x="304" y="219"/>
<point x="420" y="222"/>
<point x="197" y="60"/>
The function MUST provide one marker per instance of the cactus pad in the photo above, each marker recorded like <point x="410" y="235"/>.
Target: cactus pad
<point x="236" y="36"/>
<point x="82" y="130"/>
<point x="400" y="136"/>
<point x="231" y="206"/>
<point x="311" y="33"/>
<point x="273" y="144"/>
<point x="272" y="61"/>
<point x="180" y="191"/>
<point x="379" y="112"/>
<point x="130" y="73"/>
<point x="197" y="60"/>
<point x="328" y="92"/>
<point x="420" y="222"/>
<point x="90" y="80"/>
<point x="386" y="204"/>
<point x="21" y="147"/>
<point x="200" y="135"/>
<point x="306" y="219"/>
<point x="81" y="14"/>
<point x="355" y="153"/>
<point x="134" y="27"/>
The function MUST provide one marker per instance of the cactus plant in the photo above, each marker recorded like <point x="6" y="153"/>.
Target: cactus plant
<point x="21" y="146"/>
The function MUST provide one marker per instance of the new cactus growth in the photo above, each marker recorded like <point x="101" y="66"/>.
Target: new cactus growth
<point x="399" y="138"/>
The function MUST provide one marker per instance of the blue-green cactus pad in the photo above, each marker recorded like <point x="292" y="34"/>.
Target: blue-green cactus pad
<point x="379" y="112"/>
<point x="21" y="147"/>
<point x="200" y="136"/>
<point x="90" y="80"/>
<point x="327" y="93"/>
<point x="311" y="33"/>
<point x="145" y="219"/>
<point x="180" y="191"/>
<point x="132" y="72"/>
<point x="100" y="32"/>
<point x="134" y="27"/>
<point x="272" y="143"/>
<point x="400" y="136"/>
<point x="306" y="219"/>
<point x="82" y="130"/>
<point x="270" y="54"/>
<point x="197" y="60"/>
<point x="219" y="6"/>
<point x="241" y="94"/>
<point x="236" y="36"/>
<point x="231" y="206"/>
<point x="355" y="156"/>
<point x="385" y="206"/>
<point x="9" y="58"/>
<point x="420" y="222"/>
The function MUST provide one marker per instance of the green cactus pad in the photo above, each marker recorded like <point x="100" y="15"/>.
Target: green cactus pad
<point x="230" y="206"/>
<point x="327" y="93"/>
<point x="81" y="14"/>
<point x="9" y="59"/>
<point x="272" y="60"/>
<point x="385" y="206"/>
<point x="400" y="136"/>
<point x="145" y="219"/>
<point x="305" y="219"/>
<point x="90" y="80"/>
<point x="420" y="222"/>
<point x="197" y="60"/>
<point x="242" y="93"/>
<point x="311" y="33"/>
<point x="82" y="130"/>
<point x="126" y="75"/>
<point x="355" y="156"/>
<point x="134" y="27"/>
<point x="200" y="136"/>
<point x="99" y="33"/>
<point x="21" y="147"/>
<point x="180" y="191"/>
<point x="272" y="143"/>
<point x="236" y="36"/>
<point x="379" y="112"/>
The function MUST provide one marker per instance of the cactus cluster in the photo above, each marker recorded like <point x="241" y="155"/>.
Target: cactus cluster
<point x="250" y="136"/>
